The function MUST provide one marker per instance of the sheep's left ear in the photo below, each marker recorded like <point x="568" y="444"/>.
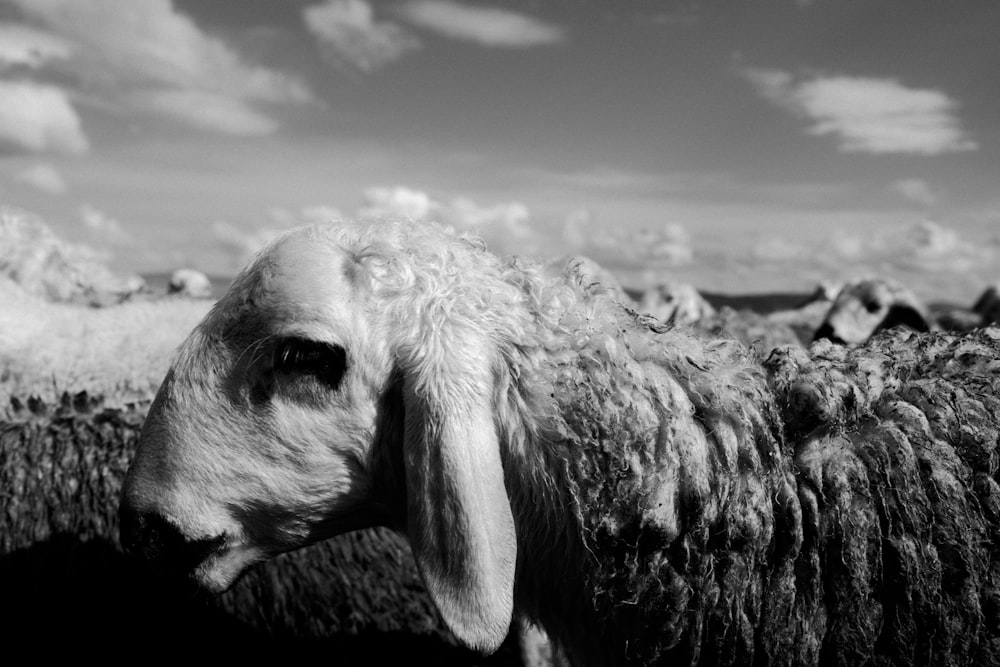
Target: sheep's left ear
<point x="459" y="516"/>
<point x="906" y="316"/>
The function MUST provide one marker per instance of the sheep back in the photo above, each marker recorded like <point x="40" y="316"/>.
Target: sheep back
<point x="896" y="464"/>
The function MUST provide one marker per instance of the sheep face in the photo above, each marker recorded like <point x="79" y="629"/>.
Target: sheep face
<point x="260" y="437"/>
<point x="867" y="306"/>
<point x="314" y="400"/>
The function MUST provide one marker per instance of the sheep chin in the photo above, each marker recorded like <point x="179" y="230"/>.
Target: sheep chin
<point x="219" y="572"/>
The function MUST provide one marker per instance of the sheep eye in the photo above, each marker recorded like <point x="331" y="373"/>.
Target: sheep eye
<point x="299" y="357"/>
<point x="872" y="306"/>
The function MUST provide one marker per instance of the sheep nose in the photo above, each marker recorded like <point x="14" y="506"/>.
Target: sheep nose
<point x="151" y="537"/>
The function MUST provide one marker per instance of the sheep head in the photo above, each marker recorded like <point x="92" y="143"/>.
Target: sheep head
<point x="332" y="388"/>
<point x="866" y="306"/>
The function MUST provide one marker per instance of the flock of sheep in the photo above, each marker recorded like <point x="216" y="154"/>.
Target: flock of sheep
<point x="545" y="468"/>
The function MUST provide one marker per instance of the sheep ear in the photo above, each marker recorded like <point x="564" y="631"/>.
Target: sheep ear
<point x="458" y="514"/>
<point x="903" y="315"/>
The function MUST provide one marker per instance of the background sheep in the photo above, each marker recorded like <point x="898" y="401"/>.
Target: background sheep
<point x="761" y="330"/>
<point x="49" y="348"/>
<point x="988" y="305"/>
<point x="676" y="303"/>
<point x="984" y="312"/>
<point x="190" y="282"/>
<point x="50" y="268"/>
<point x="669" y="498"/>
<point x="868" y="305"/>
<point x="590" y="273"/>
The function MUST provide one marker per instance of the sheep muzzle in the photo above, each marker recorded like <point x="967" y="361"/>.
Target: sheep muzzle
<point x="149" y="537"/>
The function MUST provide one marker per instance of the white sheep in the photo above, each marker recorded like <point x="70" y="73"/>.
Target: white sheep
<point x="643" y="494"/>
<point x="867" y="305"/>
<point x="675" y="303"/>
<point x="590" y="273"/>
<point x="47" y="348"/>
<point x="191" y="283"/>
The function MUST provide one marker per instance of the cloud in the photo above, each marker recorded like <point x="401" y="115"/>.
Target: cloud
<point x="28" y="47"/>
<point x="44" y="177"/>
<point x="102" y="227"/>
<point x="487" y="26"/>
<point x="38" y="117"/>
<point x="867" y="115"/>
<point x="396" y="202"/>
<point x="503" y="223"/>
<point x="924" y="247"/>
<point x="240" y="244"/>
<point x="244" y="242"/>
<point x="349" y="34"/>
<point x="318" y="214"/>
<point x="914" y="189"/>
<point x="146" y="54"/>
<point x="208" y="111"/>
<point x="616" y="246"/>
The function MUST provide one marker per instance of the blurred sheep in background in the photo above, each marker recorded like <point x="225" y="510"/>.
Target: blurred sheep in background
<point x="190" y="283"/>
<point x="868" y="305"/>
<point x="50" y="268"/>
<point x="675" y="303"/>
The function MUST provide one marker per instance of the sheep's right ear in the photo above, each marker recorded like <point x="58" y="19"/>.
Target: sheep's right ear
<point x="459" y="517"/>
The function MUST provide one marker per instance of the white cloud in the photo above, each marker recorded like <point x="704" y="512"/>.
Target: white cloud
<point x="318" y="214"/>
<point x="240" y="244"/>
<point x="513" y="217"/>
<point x="38" y="117"/>
<point x="510" y="220"/>
<point x="867" y="115"/>
<point x="914" y="189"/>
<point x="208" y="111"/>
<point x="103" y="227"/>
<point x="28" y="47"/>
<point x="396" y="202"/>
<point x="45" y="177"/>
<point x="925" y="247"/>
<point x="246" y="243"/>
<point x="487" y="26"/>
<point x="616" y="246"/>
<point x="129" y="53"/>
<point x="348" y="33"/>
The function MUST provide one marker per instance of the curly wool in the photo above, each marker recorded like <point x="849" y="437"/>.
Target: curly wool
<point x="897" y="464"/>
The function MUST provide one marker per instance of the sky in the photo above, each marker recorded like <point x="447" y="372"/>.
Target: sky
<point x="744" y="146"/>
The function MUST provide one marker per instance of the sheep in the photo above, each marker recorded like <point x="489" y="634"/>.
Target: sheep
<point x="642" y="493"/>
<point x="677" y="303"/>
<point x="191" y="283"/>
<point x="763" y="331"/>
<point x="984" y="312"/>
<point x="867" y="305"/>
<point x="62" y="467"/>
<point x="46" y="266"/>
<point x="63" y="574"/>
<point x="590" y="272"/>
<point x="987" y="306"/>
<point x="48" y="348"/>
